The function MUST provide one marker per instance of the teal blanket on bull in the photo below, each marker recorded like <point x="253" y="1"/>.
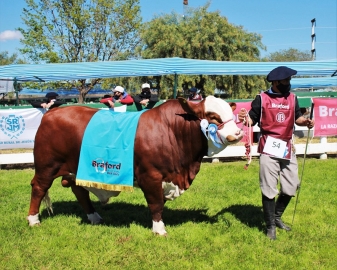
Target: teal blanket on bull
<point x="106" y="157"/>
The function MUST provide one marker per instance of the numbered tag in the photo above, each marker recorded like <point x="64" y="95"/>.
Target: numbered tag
<point x="275" y="147"/>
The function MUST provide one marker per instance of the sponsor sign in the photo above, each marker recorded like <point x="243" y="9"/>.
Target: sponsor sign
<point x="325" y="115"/>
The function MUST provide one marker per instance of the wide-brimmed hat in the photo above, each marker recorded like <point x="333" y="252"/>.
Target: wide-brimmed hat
<point x="280" y="73"/>
<point x="118" y="89"/>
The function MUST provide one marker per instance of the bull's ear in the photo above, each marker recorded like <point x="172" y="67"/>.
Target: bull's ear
<point x="190" y="107"/>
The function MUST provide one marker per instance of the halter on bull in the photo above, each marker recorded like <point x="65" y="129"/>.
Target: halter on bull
<point x="170" y="143"/>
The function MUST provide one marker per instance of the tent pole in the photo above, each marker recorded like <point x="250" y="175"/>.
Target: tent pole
<point x="175" y="86"/>
<point x="16" y="89"/>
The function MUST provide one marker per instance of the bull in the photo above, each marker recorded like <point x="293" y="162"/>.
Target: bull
<point x="170" y="143"/>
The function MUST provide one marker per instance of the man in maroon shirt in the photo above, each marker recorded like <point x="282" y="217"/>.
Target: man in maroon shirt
<point x="277" y="111"/>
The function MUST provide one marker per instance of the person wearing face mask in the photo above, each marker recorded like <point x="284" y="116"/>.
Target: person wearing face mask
<point x="276" y="111"/>
<point x="119" y="96"/>
<point x="145" y="99"/>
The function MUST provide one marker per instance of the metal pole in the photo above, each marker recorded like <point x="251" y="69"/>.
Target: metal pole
<point x="175" y="86"/>
<point x="16" y="89"/>
<point x="313" y="39"/>
<point x="305" y="154"/>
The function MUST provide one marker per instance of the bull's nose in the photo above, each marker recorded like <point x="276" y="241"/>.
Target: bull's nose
<point x="231" y="138"/>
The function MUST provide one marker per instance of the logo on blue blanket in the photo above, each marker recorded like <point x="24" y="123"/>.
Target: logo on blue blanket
<point x="102" y="166"/>
<point x="12" y="126"/>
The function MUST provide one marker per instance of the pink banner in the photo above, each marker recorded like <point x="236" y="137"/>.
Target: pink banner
<point x="325" y="115"/>
<point x="247" y="106"/>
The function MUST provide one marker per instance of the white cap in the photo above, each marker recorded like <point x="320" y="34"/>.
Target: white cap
<point x="118" y="89"/>
<point x="145" y="85"/>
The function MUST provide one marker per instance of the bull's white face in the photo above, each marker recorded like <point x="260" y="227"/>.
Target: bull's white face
<point x="229" y="133"/>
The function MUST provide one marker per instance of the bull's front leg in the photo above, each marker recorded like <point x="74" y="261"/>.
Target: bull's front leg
<point x="83" y="198"/>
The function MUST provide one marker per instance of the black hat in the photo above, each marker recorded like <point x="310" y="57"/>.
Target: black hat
<point x="51" y="94"/>
<point x="280" y="73"/>
<point x="193" y="89"/>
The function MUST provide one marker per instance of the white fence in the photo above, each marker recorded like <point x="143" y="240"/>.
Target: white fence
<point x="321" y="149"/>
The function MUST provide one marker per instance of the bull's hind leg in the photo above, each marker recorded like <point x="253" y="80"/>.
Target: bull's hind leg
<point x="155" y="201"/>
<point x="83" y="198"/>
<point x="37" y="194"/>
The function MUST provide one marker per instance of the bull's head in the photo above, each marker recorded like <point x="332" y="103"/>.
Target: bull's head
<point x="217" y="122"/>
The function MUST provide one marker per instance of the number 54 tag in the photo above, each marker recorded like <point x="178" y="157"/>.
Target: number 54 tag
<point x="275" y="147"/>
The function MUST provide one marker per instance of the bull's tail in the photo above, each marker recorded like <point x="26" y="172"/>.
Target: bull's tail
<point x="47" y="201"/>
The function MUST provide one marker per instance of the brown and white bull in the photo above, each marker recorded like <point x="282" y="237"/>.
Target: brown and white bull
<point x="168" y="150"/>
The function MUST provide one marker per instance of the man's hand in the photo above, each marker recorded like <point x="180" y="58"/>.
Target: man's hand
<point x="144" y="102"/>
<point x="111" y="104"/>
<point x="310" y="123"/>
<point x="242" y="115"/>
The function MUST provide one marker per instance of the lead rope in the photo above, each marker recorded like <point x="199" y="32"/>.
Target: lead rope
<point x="248" y="140"/>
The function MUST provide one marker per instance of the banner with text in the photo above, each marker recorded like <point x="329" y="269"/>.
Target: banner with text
<point x="325" y="115"/>
<point x="18" y="127"/>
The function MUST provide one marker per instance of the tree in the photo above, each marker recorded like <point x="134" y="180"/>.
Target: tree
<point x="202" y="35"/>
<point x="6" y="59"/>
<point x="63" y="31"/>
<point x="289" y="55"/>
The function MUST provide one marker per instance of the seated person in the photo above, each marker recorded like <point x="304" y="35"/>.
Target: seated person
<point x="119" y="96"/>
<point x="50" y="103"/>
<point x="194" y="95"/>
<point x="145" y="98"/>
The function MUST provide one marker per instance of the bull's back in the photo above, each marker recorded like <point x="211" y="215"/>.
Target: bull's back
<point x="59" y="136"/>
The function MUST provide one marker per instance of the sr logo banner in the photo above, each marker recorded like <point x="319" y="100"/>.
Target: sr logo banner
<point x="18" y="127"/>
<point x="325" y="115"/>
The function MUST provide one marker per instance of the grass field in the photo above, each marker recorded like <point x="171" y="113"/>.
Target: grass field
<point x="216" y="224"/>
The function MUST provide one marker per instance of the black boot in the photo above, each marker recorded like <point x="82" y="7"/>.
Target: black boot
<point x="281" y="205"/>
<point x="269" y="216"/>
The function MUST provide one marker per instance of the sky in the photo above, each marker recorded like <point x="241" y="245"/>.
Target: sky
<point x="283" y="24"/>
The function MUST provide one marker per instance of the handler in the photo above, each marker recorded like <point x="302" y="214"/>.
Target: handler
<point x="276" y="111"/>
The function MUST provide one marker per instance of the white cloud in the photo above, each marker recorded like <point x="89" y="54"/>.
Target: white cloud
<point x="10" y="35"/>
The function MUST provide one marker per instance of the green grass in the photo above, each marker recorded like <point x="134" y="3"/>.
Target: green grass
<point x="216" y="224"/>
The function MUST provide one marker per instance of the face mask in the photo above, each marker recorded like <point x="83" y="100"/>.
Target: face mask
<point x="146" y="94"/>
<point x="283" y="88"/>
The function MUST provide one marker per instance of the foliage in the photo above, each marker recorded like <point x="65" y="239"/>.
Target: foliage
<point x="207" y="36"/>
<point x="289" y="55"/>
<point x="63" y="31"/>
<point x="216" y="224"/>
<point x="6" y="59"/>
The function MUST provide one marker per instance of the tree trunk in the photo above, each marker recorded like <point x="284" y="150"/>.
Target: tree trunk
<point x="81" y="96"/>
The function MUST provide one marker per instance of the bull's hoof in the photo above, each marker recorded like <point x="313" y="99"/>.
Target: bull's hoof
<point x="162" y="235"/>
<point x="95" y="219"/>
<point x="158" y="227"/>
<point x="33" y="220"/>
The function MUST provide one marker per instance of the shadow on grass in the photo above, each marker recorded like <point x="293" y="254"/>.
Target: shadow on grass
<point x="121" y="214"/>
<point x="248" y="214"/>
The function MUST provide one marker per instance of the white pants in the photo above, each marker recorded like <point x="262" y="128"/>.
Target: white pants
<point x="272" y="169"/>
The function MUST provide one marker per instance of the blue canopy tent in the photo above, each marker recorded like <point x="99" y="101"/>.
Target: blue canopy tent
<point x="314" y="82"/>
<point x="158" y="67"/>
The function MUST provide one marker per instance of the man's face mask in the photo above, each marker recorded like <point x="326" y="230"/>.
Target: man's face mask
<point x="284" y="88"/>
<point x="146" y="93"/>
